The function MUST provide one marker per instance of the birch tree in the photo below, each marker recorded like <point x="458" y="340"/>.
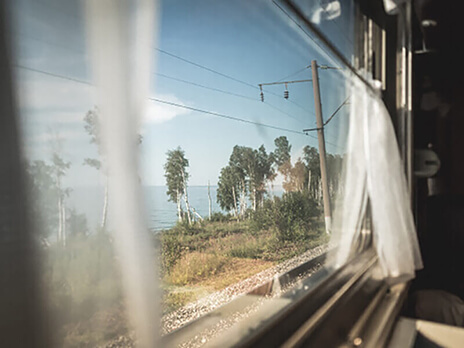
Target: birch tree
<point x="59" y="168"/>
<point x="229" y="186"/>
<point x="313" y="179"/>
<point x="92" y="127"/>
<point x="176" y="180"/>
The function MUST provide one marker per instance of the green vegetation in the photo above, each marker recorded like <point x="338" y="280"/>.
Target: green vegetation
<point x="83" y="290"/>
<point x="258" y="230"/>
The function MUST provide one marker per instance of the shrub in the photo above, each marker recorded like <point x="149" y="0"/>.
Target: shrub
<point x="263" y="217"/>
<point x="293" y="213"/>
<point x="219" y="217"/>
<point x="171" y="250"/>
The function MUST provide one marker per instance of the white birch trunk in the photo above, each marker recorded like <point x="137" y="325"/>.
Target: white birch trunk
<point x="235" y="202"/>
<point x="60" y="223"/>
<point x="196" y="214"/>
<point x="309" y="181"/>
<point x="63" y="221"/>
<point x="243" y="203"/>
<point x="105" y="207"/>
<point x="187" y="205"/>
<point x="254" y="199"/>
<point x="179" y="208"/>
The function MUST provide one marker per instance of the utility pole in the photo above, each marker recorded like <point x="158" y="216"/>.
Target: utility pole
<point x="320" y="132"/>
<point x="322" y="157"/>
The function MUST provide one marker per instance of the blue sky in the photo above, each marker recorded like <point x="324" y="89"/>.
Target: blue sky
<point x="252" y="41"/>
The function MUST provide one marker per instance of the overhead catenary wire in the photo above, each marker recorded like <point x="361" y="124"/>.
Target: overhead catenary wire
<point x="330" y="118"/>
<point x="185" y="81"/>
<point x="203" y="86"/>
<point x="293" y="74"/>
<point x="229" y="117"/>
<point x="227" y="92"/>
<point x="222" y="74"/>
<point x="43" y="72"/>
<point x="156" y="73"/>
<point x="59" y="76"/>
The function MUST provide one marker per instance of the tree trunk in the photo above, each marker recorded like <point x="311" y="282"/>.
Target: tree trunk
<point x="209" y="200"/>
<point x="309" y="181"/>
<point x="196" y="214"/>
<point x="105" y="207"/>
<point x="179" y="208"/>
<point x="235" y="202"/>
<point x="63" y="221"/>
<point x="60" y="218"/>
<point x="254" y="199"/>
<point x="243" y="203"/>
<point x="187" y="205"/>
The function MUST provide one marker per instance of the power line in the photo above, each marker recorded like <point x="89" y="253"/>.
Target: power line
<point x="293" y="74"/>
<point x="205" y="87"/>
<point x="177" y="79"/>
<point x="173" y="104"/>
<point x="89" y="84"/>
<point x="330" y="118"/>
<point x="206" y="68"/>
<point x="283" y="112"/>
<point x="336" y="111"/>
<point x="222" y="74"/>
<point x="227" y="92"/>
<point x="228" y="117"/>
<point x="158" y="74"/>
<point x="52" y="74"/>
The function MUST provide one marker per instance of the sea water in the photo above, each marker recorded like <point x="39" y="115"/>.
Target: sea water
<point x="160" y="212"/>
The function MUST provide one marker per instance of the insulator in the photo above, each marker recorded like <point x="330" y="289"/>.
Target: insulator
<point x="262" y="96"/>
<point x="286" y="94"/>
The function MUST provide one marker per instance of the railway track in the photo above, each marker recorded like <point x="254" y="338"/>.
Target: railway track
<point x="197" y="323"/>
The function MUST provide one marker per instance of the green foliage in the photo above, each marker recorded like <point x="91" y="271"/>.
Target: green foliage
<point x="171" y="250"/>
<point x="228" y="191"/>
<point x="93" y="128"/>
<point x="247" y="173"/>
<point x="44" y="193"/>
<point x="76" y="224"/>
<point x="293" y="214"/>
<point x="219" y="217"/>
<point x="83" y="284"/>
<point x="263" y="218"/>
<point x="176" y="174"/>
<point x="282" y="153"/>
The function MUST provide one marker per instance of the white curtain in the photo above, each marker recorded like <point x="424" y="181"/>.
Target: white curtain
<point x="121" y="39"/>
<point x="373" y="172"/>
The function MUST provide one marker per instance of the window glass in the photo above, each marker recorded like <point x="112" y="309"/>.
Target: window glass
<point x="230" y="159"/>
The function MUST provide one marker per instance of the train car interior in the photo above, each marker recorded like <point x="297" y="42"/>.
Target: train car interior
<point x="404" y="77"/>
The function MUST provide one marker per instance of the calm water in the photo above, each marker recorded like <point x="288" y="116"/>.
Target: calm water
<point x="161" y="213"/>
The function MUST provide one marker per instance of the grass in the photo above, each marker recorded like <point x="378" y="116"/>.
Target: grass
<point x="209" y="257"/>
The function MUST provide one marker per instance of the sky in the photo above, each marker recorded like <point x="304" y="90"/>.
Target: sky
<point x="228" y="46"/>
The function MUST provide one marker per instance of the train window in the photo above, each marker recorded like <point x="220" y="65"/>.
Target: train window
<point x="191" y="152"/>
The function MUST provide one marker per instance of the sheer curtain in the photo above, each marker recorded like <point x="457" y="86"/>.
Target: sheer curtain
<point x="374" y="172"/>
<point x="120" y="35"/>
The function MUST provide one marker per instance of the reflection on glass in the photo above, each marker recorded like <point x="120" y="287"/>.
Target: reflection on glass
<point x="232" y="183"/>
